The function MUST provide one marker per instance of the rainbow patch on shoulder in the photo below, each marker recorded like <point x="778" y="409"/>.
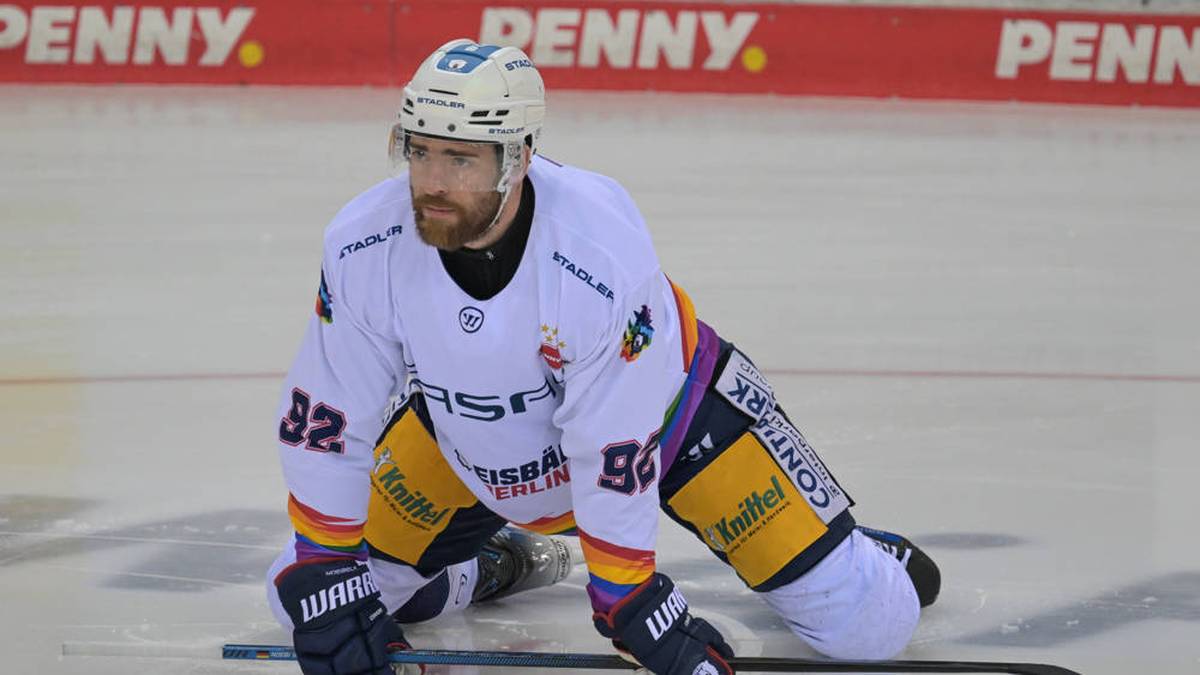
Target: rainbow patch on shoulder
<point x="638" y="334"/>
<point x="324" y="307"/>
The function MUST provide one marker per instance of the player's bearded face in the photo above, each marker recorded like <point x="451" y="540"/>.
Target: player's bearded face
<point x="453" y="190"/>
<point x="450" y="221"/>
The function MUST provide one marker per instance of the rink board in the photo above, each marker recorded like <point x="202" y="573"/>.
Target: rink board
<point x="793" y="49"/>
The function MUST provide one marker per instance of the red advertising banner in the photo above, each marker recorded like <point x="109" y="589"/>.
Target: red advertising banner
<point x="910" y="52"/>
<point x="319" y="42"/>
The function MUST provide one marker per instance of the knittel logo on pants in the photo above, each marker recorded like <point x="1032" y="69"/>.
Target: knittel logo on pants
<point x="411" y="506"/>
<point x="755" y="510"/>
<point x="125" y="35"/>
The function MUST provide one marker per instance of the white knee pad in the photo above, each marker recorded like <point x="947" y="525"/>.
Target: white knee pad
<point x="397" y="583"/>
<point x="857" y="603"/>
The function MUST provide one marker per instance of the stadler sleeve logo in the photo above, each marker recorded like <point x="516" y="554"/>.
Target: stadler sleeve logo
<point x="582" y="275"/>
<point x="370" y="240"/>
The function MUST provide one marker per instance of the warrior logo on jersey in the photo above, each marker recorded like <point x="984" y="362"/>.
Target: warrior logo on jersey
<point x="551" y="347"/>
<point x="470" y="319"/>
<point x="637" y="335"/>
<point x="324" y="306"/>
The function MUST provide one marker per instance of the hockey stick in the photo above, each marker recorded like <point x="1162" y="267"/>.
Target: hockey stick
<point x="763" y="664"/>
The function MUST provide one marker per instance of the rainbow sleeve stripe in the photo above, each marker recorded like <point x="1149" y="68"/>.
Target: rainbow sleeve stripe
<point x="563" y="525"/>
<point x="700" y="349"/>
<point x="688" y="329"/>
<point x="319" y="535"/>
<point x="614" y="571"/>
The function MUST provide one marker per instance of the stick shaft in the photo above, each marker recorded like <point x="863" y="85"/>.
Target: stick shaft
<point x="765" y="664"/>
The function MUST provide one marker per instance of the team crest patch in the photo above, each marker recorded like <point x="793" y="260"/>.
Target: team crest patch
<point x="637" y="335"/>
<point x="551" y="346"/>
<point x="324" y="306"/>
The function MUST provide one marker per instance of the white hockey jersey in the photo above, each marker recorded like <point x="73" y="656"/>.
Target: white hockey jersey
<point x="548" y="399"/>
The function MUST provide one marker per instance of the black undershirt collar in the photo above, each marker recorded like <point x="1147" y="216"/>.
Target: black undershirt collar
<point x="482" y="273"/>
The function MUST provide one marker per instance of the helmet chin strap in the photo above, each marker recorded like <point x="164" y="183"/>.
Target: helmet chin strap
<point x="503" y="186"/>
<point x="499" y="209"/>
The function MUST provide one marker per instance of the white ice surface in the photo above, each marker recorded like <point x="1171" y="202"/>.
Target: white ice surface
<point x="985" y="317"/>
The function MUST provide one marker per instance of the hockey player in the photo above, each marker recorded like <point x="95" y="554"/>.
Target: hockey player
<point x="494" y="343"/>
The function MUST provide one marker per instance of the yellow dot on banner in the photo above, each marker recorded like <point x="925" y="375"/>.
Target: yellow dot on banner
<point x="250" y="53"/>
<point x="754" y="59"/>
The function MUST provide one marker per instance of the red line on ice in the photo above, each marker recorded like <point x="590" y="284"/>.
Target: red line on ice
<point x="773" y="372"/>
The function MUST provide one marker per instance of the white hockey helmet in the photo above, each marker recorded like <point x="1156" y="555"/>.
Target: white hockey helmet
<point x="474" y="93"/>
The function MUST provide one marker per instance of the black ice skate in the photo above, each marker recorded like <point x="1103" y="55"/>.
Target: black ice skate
<point x="516" y="560"/>
<point x="921" y="569"/>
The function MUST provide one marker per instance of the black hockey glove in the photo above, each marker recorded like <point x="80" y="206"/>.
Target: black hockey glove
<point x="341" y="626"/>
<point x="652" y="624"/>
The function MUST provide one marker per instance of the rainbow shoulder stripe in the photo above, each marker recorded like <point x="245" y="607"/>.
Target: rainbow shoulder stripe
<point x="688" y="328"/>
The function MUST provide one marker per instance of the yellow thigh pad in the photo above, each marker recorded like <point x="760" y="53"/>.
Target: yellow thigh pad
<point x="414" y="492"/>
<point x="746" y="508"/>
